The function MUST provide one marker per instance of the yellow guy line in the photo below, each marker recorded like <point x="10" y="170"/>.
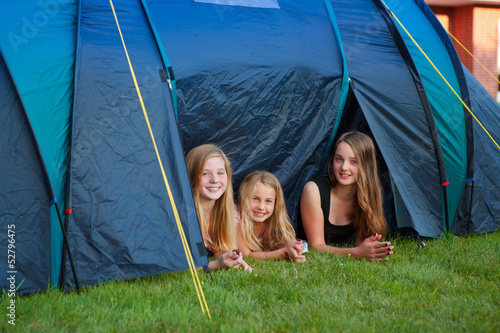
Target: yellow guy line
<point x="437" y="70"/>
<point x="479" y="62"/>
<point x="192" y="268"/>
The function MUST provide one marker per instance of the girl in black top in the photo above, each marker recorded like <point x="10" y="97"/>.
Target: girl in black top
<point x="348" y="201"/>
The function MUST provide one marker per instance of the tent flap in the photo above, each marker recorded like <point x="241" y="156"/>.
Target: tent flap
<point x="123" y="224"/>
<point x="24" y="197"/>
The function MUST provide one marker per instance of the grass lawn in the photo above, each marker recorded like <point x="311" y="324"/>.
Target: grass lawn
<point x="452" y="284"/>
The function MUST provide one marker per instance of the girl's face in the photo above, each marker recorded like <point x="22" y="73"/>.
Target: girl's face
<point x="213" y="179"/>
<point x="345" y="165"/>
<point x="261" y="202"/>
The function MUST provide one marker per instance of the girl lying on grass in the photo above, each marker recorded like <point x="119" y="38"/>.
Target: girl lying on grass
<point x="210" y="176"/>
<point x="346" y="202"/>
<point x="264" y="229"/>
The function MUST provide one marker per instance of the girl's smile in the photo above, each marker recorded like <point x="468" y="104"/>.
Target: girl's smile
<point x="262" y="202"/>
<point x="345" y="165"/>
<point x="213" y="180"/>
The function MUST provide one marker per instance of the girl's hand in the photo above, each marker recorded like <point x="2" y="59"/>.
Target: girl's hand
<point x="372" y="249"/>
<point x="233" y="260"/>
<point x="293" y="251"/>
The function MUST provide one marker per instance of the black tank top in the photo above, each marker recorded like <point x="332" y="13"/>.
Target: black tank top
<point x="334" y="234"/>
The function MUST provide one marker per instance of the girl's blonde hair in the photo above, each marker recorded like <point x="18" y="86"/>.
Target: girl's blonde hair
<point x="218" y="229"/>
<point x="368" y="215"/>
<point x="279" y="230"/>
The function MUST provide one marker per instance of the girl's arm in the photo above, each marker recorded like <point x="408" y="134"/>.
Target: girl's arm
<point x="313" y="222"/>
<point x="292" y="250"/>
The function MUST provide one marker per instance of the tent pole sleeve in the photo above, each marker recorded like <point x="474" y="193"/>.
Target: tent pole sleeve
<point x="419" y="86"/>
<point x="444" y="35"/>
<point x="470" y="206"/>
<point x="66" y="245"/>
<point x="62" y="276"/>
<point x="67" y="210"/>
<point x="166" y="63"/>
<point x="68" y="201"/>
<point x="344" y="89"/>
<point x="445" y="203"/>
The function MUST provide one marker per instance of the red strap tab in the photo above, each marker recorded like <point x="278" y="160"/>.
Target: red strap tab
<point x="68" y="211"/>
<point x="444" y="184"/>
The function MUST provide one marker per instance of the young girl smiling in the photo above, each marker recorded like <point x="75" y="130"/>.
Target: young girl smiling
<point x="210" y="176"/>
<point x="264" y="229"/>
<point x="347" y="202"/>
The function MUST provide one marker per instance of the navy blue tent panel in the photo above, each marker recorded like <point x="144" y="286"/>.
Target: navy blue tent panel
<point x="261" y="83"/>
<point x="123" y="224"/>
<point x="485" y="194"/>
<point x="25" y="197"/>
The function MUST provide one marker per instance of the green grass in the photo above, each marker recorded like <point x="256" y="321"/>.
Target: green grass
<point x="453" y="284"/>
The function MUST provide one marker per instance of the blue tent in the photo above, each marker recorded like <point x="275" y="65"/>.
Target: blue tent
<point x="88" y="123"/>
<point x="272" y="82"/>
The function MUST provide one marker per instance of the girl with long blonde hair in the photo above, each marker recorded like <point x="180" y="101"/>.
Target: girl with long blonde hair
<point x="210" y="176"/>
<point x="346" y="202"/>
<point x="264" y="229"/>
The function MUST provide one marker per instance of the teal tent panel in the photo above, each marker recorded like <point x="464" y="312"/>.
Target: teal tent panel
<point x="446" y="107"/>
<point x="38" y="42"/>
<point x="24" y="197"/>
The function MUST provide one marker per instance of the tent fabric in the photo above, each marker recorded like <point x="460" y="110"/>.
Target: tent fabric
<point x="446" y="107"/>
<point x="24" y="199"/>
<point x="344" y="91"/>
<point x="39" y="45"/>
<point x="462" y="82"/>
<point x="132" y="231"/>
<point x="263" y="84"/>
<point x="271" y="82"/>
<point x="484" y="216"/>
<point x="164" y="57"/>
<point x="379" y="76"/>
